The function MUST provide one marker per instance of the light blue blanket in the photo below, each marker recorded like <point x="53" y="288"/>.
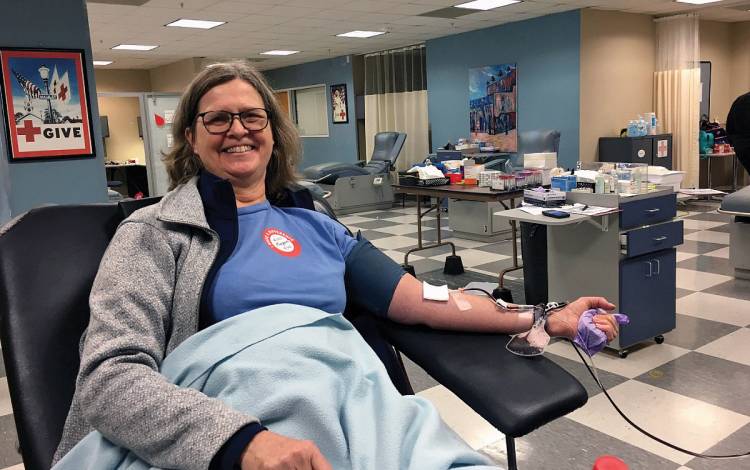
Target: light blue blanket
<point x="307" y="374"/>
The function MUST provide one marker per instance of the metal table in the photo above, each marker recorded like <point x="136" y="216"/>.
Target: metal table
<point x="709" y="156"/>
<point x="467" y="193"/>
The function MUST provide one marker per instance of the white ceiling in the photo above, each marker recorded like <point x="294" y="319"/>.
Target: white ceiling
<point x="310" y="26"/>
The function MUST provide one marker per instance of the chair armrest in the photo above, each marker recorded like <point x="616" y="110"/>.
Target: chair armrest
<point x="515" y="394"/>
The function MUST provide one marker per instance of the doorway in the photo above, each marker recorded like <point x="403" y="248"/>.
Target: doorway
<point x="136" y="133"/>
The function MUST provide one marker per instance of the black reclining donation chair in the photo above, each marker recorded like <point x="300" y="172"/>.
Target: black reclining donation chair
<point x="361" y="186"/>
<point x="48" y="260"/>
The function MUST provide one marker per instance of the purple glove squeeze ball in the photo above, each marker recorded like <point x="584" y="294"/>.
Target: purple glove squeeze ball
<point x="591" y="338"/>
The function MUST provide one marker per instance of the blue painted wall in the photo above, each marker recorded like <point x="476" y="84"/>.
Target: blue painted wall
<point x="64" y="24"/>
<point x="341" y="143"/>
<point x="547" y="52"/>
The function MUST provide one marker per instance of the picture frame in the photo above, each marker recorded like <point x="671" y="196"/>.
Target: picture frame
<point x="46" y="104"/>
<point x="339" y="104"/>
<point x="493" y="109"/>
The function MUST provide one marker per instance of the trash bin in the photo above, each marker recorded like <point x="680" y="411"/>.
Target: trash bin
<point x="534" y="252"/>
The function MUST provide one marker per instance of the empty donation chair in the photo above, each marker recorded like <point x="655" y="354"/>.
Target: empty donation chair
<point x="737" y="205"/>
<point x="361" y="186"/>
<point x="48" y="260"/>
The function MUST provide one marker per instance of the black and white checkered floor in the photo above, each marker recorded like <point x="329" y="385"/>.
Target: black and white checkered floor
<point x="692" y="390"/>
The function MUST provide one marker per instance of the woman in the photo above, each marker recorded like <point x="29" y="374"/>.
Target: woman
<point x="231" y="237"/>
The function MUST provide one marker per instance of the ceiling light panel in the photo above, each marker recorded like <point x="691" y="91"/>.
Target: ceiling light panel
<point x="450" y="12"/>
<point x="199" y="24"/>
<point x="133" y="47"/>
<point x="360" y="34"/>
<point x="102" y="62"/>
<point x="279" y="52"/>
<point x="697" y="2"/>
<point x="486" y="4"/>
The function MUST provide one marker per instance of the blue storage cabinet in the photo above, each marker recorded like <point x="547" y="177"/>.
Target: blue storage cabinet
<point x="647" y="278"/>
<point x="628" y="257"/>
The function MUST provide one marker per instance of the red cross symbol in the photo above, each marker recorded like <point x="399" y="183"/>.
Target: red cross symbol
<point x="342" y="115"/>
<point x="63" y="92"/>
<point x="28" y="130"/>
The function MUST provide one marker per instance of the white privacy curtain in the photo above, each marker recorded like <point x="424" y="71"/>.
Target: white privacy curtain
<point x="677" y="90"/>
<point x="396" y="100"/>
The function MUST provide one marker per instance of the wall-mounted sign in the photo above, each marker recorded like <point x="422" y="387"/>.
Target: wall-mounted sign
<point x="44" y="99"/>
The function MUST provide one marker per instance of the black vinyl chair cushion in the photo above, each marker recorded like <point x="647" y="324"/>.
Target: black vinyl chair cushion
<point x="522" y="393"/>
<point x="386" y="150"/>
<point x="737" y="202"/>
<point x="48" y="261"/>
<point x="536" y="141"/>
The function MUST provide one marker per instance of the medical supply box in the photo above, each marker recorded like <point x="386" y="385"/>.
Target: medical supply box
<point x="564" y="183"/>
<point x="544" y="197"/>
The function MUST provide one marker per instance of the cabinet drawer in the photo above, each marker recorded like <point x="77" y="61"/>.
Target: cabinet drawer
<point x="648" y="211"/>
<point x="654" y="238"/>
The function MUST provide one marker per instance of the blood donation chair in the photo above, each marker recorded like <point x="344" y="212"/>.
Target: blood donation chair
<point x="737" y="205"/>
<point x="50" y="255"/>
<point x="361" y="186"/>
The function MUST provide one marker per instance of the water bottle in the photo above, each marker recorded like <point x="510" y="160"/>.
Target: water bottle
<point x="599" y="184"/>
<point x="632" y="129"/>
<point x="641" y="126"/>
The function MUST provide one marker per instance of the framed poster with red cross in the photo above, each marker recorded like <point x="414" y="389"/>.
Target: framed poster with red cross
<point x="45" y="104"/>
<point x="339" y="106"/>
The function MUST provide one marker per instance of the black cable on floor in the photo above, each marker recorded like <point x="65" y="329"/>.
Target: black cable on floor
<point x="643" y="431"/>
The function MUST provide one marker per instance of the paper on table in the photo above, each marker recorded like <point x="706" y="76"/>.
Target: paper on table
<point x="533" y="210"/>
<point x="589" y="210"/>
<point x="700" y="191"/>
<point x="430" y="292"/>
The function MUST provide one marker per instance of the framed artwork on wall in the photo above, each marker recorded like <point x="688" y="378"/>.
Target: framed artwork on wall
<point x="46" y="105"/>
<point x="339" y="106"/>
<point x="492" y="106"/>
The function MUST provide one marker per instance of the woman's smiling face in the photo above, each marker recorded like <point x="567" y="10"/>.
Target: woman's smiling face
<point x="238" y="154"/>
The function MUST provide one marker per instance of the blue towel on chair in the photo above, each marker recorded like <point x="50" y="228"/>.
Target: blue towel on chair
<point x="307" y="374"/>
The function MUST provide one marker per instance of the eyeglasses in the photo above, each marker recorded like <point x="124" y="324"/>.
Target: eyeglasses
<point x="219" y="122"/>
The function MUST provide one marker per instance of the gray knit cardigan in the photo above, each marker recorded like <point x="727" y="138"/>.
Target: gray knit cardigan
<point x="145" y="302"/>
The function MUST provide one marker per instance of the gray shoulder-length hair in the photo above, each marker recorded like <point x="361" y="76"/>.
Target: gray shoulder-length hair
<point x="182" y="163"/>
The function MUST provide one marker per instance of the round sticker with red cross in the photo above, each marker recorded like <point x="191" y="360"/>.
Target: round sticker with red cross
<point x="281" y="242"/>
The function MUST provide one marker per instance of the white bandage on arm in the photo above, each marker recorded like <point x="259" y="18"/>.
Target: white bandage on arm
<point x="459" y="299"/>
<point x="438" y="293"/>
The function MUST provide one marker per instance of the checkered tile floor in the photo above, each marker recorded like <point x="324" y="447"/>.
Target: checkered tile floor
<point x="692" y="390"/>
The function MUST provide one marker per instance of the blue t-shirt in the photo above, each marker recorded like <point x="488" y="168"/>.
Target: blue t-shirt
<point x="283" y="255"/>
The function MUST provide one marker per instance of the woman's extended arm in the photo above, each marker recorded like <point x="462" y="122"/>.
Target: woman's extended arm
<point x="475" y="313"/>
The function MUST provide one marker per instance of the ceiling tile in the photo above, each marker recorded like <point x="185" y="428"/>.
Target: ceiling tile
<point x="105" y="9"/>
<point x="244" y="7"/>
<point x="182" y="4"/>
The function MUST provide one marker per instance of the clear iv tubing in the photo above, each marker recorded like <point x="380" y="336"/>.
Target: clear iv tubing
<point x="594" y="373"/>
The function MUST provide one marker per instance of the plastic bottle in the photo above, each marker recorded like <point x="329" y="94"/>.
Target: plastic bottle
<point x="652" y="127"/>
<point x="632" y="129"/>
<point x="637" y="180"/>
<point x="641" y="126"/>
